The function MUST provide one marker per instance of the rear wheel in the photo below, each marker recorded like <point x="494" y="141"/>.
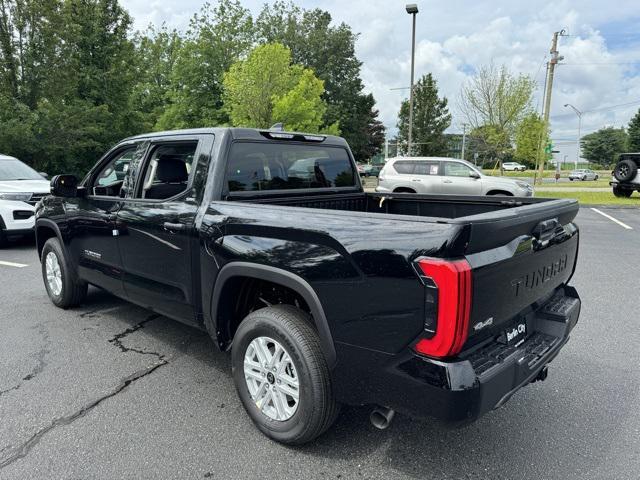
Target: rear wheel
<point x="621" y="192"/>
<point x="281" y="375"/>
<point x="63" y="286"/>
<point x="3" y="239"/>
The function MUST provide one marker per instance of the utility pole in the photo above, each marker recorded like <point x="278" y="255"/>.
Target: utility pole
<point x="412" y="9"/>
<point x="555" y="58"/>
<point x="464" y="139"/>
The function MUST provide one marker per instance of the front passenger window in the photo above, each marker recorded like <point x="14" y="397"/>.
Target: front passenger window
<point x="109" y="181"/>
<point x="455" y="169"/>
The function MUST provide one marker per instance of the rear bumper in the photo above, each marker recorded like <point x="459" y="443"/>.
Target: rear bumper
<point x="625" y="185"/>
<point x="460" y="391"/>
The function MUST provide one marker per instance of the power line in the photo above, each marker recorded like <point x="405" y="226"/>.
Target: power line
<point x="600" y="63"/>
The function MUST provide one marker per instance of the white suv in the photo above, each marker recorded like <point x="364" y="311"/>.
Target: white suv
<point x="438" y="175"/>
<point x="20" y="189"/>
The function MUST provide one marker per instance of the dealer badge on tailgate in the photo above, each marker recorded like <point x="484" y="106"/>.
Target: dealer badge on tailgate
<point x="514" y="335"/>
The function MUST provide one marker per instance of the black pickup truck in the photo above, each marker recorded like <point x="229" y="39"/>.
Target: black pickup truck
<point x="325" y="294"/>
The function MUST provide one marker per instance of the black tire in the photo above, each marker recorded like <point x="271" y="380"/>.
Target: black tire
<point x="3" y="239"/>
<point x="571" y="179"/>
<point x="625" y="170"/>
<point x="621" y="192"/>
<point x="73" y="290"/>
<point x="595" y="179"/>
<point x="499" y="194"/>
<point x="317" y="408"/>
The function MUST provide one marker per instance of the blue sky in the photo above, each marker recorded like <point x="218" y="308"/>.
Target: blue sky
<point x="602" y="51"/>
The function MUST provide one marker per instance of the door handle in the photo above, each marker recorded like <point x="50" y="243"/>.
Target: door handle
<point x="415" y="180"/>
<point x="174" y="227"/>
<point x="447" y="181"/>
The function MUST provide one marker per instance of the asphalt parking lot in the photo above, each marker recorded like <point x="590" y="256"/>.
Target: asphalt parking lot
<point x="109" y="390"/>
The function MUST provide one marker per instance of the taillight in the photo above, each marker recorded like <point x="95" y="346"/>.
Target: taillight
<point x="452" y="282"/>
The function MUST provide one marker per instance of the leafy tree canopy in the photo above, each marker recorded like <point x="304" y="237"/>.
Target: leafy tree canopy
<point x="603" y="147"/>
<point x="431" y="118"/>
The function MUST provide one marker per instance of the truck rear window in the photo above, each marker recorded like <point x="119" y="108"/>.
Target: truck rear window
<point x="257" y="166"/>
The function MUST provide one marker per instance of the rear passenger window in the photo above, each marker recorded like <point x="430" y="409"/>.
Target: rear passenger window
<point x="166" y="173"/>
<point x="427" y="168"/>
<point x="404" y="167"/>
<point x="278" y="166"/>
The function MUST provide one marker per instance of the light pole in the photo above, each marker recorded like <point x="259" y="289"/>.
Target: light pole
<point x="412" y="9"/>
<point x="579" y="114"/>
<point x="464" y="139"/>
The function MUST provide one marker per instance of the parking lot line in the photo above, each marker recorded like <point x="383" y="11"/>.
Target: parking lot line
<point x="623" y="225"/>
<point x="12" y="264"/>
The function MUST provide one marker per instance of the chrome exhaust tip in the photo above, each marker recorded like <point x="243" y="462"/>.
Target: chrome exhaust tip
<point x="381" y="417"/>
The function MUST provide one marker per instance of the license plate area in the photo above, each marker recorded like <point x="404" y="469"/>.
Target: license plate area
<point x="514" y="335"/>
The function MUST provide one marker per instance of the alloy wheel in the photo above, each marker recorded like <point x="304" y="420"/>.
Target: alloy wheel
<point x="54" y="274"/>
<point x="271" y="378"/>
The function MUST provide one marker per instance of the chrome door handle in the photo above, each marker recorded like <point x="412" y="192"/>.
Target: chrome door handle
<point x="447" y="181"/>
<point x="416" y="180"/>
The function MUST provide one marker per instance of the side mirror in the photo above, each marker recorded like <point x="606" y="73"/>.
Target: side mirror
<point x="45" y="175"/>
<point x="475" y="175"/>
<point x="64" y="186"/>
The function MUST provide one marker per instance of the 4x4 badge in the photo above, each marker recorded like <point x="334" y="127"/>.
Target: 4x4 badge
<point x="481" y="325"/>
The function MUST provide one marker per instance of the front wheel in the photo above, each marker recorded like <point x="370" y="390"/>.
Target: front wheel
<point x="281" y="375"/>
<point x="63" y="286"/>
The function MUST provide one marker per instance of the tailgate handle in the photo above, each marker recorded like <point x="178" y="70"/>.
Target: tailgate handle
<point x="547" y="232"/>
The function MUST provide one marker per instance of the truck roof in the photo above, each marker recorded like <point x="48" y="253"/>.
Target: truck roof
<point x="253" y="134"/>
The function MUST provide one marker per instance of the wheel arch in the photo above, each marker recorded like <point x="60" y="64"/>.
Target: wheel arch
<point x="245" y="270"/>
<point x="500" y="192"/>
<point x="46" y="229"/>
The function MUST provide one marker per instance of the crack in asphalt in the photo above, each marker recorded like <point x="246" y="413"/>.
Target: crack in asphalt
<point x="24" y="449"/>
<point x="40" y="363"/>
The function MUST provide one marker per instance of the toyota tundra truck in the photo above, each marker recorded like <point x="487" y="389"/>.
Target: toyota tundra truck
<point x="427" y="305"/>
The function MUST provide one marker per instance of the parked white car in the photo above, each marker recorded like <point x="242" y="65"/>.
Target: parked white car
<point x="513" y="167"/>
<point x="583" y="174"/>
<point x="20" y="189"/>
<point x="437" y="175"/>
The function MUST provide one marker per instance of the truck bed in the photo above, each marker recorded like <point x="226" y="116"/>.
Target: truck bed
<point x="495" y="221"/>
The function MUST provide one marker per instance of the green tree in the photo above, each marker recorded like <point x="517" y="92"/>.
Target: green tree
<point x="329" y="50"/>
<point x="491" y="143"/>
<point x="266" y="88"/>
<point x="531" y="133"/>
<point x="603" y="146"/>
<point x="156" y="54"/>
<point x="431" y="118"/>
<point x="217" y="37"/>
<point x="66" y="77"/>
<point x="634" y="133"/>
<point x="495" y="97"/>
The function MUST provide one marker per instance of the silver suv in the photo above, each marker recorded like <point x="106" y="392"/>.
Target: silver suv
<point x="444" y="176"/>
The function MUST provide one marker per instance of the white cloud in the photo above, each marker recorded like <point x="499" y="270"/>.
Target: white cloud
<point x="457" y="36"/>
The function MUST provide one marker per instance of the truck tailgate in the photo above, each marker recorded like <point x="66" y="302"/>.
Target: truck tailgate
<point x="510" y="280"/>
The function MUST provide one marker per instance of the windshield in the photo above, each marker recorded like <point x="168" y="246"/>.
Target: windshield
<point x="14" y="169"/>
